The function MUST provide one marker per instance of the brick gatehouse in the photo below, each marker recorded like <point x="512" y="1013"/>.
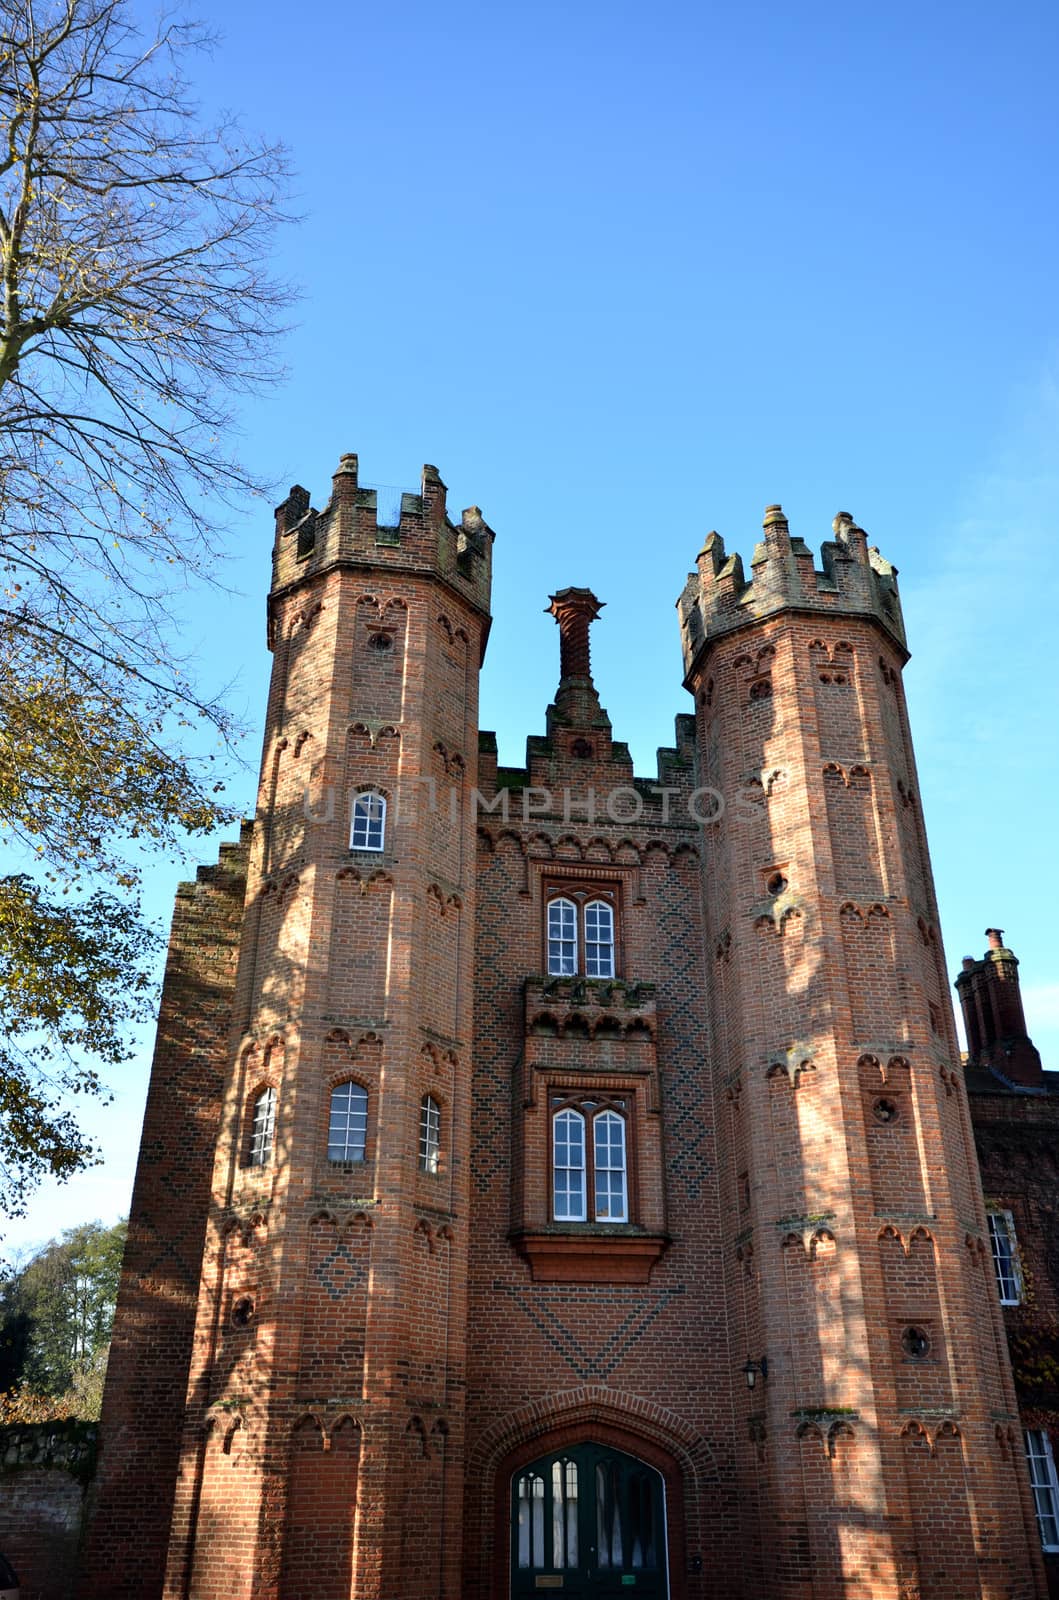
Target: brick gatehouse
<point x="554" y="1179"/>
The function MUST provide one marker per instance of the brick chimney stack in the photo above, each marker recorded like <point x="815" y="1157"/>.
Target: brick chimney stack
<point x="993" y="1016"/>
<point x="576" y="700"/>
<point x="575" y="610"/>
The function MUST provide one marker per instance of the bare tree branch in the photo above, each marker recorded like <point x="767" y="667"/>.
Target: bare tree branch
<point x="137" y="304"/>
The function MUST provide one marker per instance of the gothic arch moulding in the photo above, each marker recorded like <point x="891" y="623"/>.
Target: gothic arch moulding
<point x="604" y="1416"/>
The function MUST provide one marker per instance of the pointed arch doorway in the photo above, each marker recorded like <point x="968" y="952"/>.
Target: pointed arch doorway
<point x="589" y="1522"/>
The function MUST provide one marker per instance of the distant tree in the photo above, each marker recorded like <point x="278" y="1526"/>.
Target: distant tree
<point x="135" y="305"/>
<point x="61" y="1306"/>
<point x="14" y="1346"/>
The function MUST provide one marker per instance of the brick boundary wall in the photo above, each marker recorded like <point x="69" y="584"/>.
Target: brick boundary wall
<point x="46" y="1471"/>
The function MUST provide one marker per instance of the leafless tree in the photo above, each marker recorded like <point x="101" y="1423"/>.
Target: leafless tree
<point x="137" y="306"/>
<point x="134" y="248"/>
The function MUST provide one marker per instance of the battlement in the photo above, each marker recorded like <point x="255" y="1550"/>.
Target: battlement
<point x="348" y="532"/>
<point x="853" y="578"/>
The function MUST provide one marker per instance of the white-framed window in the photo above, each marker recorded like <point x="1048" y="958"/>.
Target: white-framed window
<point x="568" y="1166"/>
<point x="611" y="1187"/>
<point x="599" y="940"/>
<point x="1005" y="1257"/>
<point x="1045" y="1486"/>
<point x="580" y="937"/>
<point x="562" y="938"/>
<point x="590" y="1178"/>
<point x="368" y="831"/>
<point x="263" y="1128"/>
<point x="429" y="1134"/>
<point x="347" y="1130"/>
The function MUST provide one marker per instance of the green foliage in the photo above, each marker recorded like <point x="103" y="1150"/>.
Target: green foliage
<point x="71" y="978"/>
<point x="61" y="1307"/>
<point x="82" y="766"/>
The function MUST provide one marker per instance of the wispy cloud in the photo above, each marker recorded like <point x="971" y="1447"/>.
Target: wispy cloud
<point x="983" y="692"/>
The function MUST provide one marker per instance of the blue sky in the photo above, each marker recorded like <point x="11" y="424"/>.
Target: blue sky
<point x="627" y="275"/>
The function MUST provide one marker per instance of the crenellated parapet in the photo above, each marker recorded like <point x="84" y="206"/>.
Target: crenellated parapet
<point x="853" y="579"/>
<point x="348" y="532"/>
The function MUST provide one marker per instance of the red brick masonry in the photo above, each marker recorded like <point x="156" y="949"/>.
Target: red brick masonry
<point x="328" y="1373"/>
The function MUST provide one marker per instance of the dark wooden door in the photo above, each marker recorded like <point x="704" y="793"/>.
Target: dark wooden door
<point x="588" y="1522"/>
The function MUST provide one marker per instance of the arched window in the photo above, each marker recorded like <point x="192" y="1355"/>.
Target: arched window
<point x="369" y="821"/>
<point x="429" y="1134"/>
<point x="611" y="1191"/>
<point x="599" y="940"/>
<point x="562" y="938"/>
<point x="263" y="1128"/>
<point x="348" y="1129"/>
<point x="588" y="1519"/>
<point x="581" y="934"/>
<point x="530" y="1520"/>
<point x="568" y="1166"/>
<point x="590" y="1181"/>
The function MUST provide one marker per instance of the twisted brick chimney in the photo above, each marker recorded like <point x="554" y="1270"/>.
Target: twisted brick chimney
<point x="575" y="610"/>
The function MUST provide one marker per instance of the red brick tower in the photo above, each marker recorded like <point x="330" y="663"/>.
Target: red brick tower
<point x="323" y="1431"/>
<point x="879" y="1440"/>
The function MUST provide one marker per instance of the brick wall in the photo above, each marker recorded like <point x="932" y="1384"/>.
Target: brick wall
<point x="1017" y="1136"/>
<point x="613" y="1333"/>
<point x="151" y="1347"/>
<point x="45" y="1473"/>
